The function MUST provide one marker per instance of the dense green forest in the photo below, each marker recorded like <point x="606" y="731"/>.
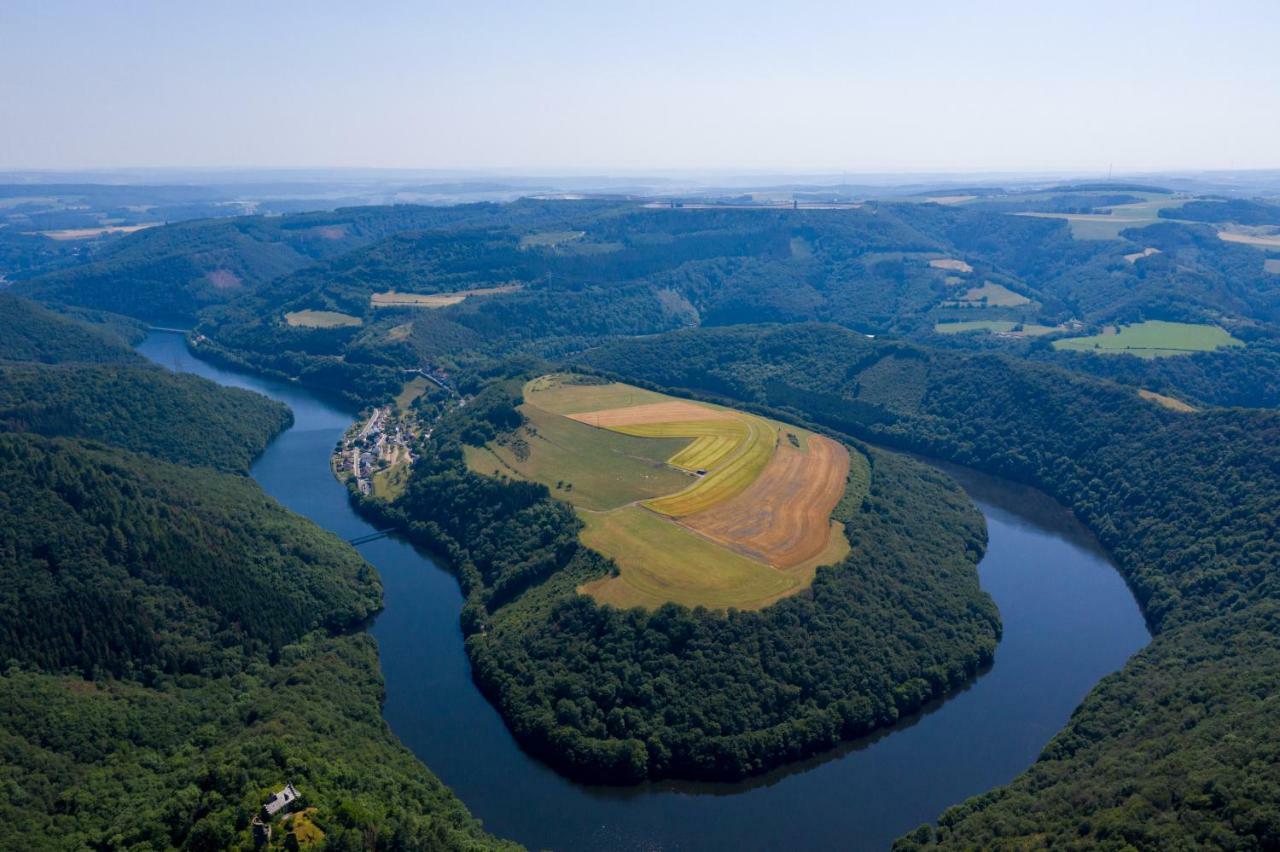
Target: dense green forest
<point x="31" y="332"/>
<point x="1176" y="749"/>
<point x="623" y="695"/>
<point x="176" y="417"/>
<point x="174" y="644"/>
<point x="1238" y="210"/>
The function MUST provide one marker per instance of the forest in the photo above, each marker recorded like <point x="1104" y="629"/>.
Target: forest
<point x="174" y="643"/>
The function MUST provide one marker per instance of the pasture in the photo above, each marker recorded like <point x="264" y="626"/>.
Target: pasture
<point x="321" y="319"/>
<point x="994" y="326"/>
<point x="1256" y="239"/>
<point x="951" y="265"/>
<point x="435" y="301"/>
<point x="696" y="503"/>
<point x="1107" y="226"/>
<point x="993" y="295"/>
<point x="1152" y="339"/>
<point x="412" y="389"/>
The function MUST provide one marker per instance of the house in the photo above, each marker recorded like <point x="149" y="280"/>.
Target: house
<point x="280" y="801"/>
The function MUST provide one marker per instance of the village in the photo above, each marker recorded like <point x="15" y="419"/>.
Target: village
<point x="377" y="451"/>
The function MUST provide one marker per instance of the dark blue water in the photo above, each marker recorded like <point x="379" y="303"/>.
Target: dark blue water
<point x="1068" y="620"/>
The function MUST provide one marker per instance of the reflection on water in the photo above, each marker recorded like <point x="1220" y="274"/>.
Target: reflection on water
<point x="1068" y="620"/>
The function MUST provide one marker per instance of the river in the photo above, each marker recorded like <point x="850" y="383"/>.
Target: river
<point x="1068" y="620"/>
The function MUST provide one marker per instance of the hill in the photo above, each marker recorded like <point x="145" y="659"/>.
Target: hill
<point x="1184" y="502"/>
<point x="31" y="332"/>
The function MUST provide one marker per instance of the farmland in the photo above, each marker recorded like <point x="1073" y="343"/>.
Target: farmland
<point x="1152" y="339"/>
<point x="321" y="319"/>
<point x="697" y="504"/>
<point x="994" y="326"/>
<point x="395" y="299"/>
<point x="1107" y="226"/>
<point x="993" y="295"/>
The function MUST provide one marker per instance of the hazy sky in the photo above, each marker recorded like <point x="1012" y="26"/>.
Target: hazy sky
<point x="599" y="86"/>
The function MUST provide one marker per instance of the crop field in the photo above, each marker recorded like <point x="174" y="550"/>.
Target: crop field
<point x="696" y="503"/>
<point x="594" y="469"/>
<point x="321" y="319"/>
<point x="1107" y="226"/>
<point x="1258" y="240"/>
<point x="951" y="265"/>
<point x="1153" y="339"/>
<point x="92" y="233"/>
<point x="995" y="326"/>
<point x="995" y="295"/>
<point x="394" y="299"/>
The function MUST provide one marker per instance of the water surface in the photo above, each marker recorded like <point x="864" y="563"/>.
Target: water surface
<point x="1068" y="621"/>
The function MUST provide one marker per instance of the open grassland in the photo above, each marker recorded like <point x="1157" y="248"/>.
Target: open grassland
<point x="782" y="517"/>
<point x="994" y="295"/>
<point x="395" y="299"/>
<point x="951" y="265"/>
<point x="573" y="395"/>
<point x="390" y="483"/>
<point x="1167" y="401"/>
<point x="662" y="562"/>
<point x="590" y="468"/>
<point x="1153" y="339"/>
<point x="1107" y="226"/>
<point x="548" y="239"/>
<point x="995" y="326"/>
<point x="412" y="389"/>
<point x="321" y="319"/>
<point x="92" y="233"/>
<point x="753" y="528"/>
<point x="1258" y="240"/>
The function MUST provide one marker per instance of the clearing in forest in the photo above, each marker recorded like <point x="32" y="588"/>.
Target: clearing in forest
<point x="992" y="294"/>
<point x="951" y="265"/>
<point x="321" y="319"/>
<point x="1152" y="339"/>
<point x="395" y="299"/>
<point x="697" y="504"/>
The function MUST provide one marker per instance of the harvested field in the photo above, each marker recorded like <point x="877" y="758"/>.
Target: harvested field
<point x="321" y="319"/>
<point x="674" y="411"/>
<point x="1168" y="402"/>
<point x="1267" y="241"/>
<point x="782" y="517"/>
<point x="394" y="299"/>
<point x="570" y="395"/>
<point x="1139" y="255"/>
<point x="91" y="233"/>
<point x="951" y="265"/>
<point x="1271" y="265"/>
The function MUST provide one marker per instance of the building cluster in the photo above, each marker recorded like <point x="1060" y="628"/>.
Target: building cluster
<point x="375" y="445"/>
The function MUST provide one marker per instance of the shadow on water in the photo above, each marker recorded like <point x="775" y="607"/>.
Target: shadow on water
<point x="1068" y="620"/>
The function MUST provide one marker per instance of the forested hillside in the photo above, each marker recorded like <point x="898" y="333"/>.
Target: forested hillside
<point x="1177" y="749"/>
<point x="31" y="332"/>
<point x="621" y="696"/>
<point x="175" y="644"/>
<point x="176" y="417"/>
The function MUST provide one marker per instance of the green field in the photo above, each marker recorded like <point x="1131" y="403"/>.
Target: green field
<point x="994" y="295"/>
<point x="321" y="319"/>
<point x="412" y="389"/>
<point x="1029" y="329"/>
<point x="606" y="469"/>
<point x="1107" y="226"/>
<point x="567" y="395"/>
<point x="661" y="561"/>
<point x="1153" y="339"/>
<point x="550" y="238"/>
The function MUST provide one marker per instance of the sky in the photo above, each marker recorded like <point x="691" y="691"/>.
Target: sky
<point x="620" y="87"/>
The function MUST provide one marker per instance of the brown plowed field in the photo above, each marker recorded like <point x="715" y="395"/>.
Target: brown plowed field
<point x="654" y="412"/>
<point x="782" y="517"/>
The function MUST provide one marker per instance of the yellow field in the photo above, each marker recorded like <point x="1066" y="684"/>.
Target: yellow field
<point x="752" y="528"/>
<point x="394" y="299"/>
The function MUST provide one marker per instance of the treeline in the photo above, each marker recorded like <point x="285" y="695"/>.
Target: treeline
<point x="1177" y="749"/>
<point x="619" y="696"/>
<point x="1237" y="210"/>
<point x="32" y="332"/>
<point x="174" y="644"/>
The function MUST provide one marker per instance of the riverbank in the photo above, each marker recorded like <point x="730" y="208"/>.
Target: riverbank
<point x="1068" y="620"/>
